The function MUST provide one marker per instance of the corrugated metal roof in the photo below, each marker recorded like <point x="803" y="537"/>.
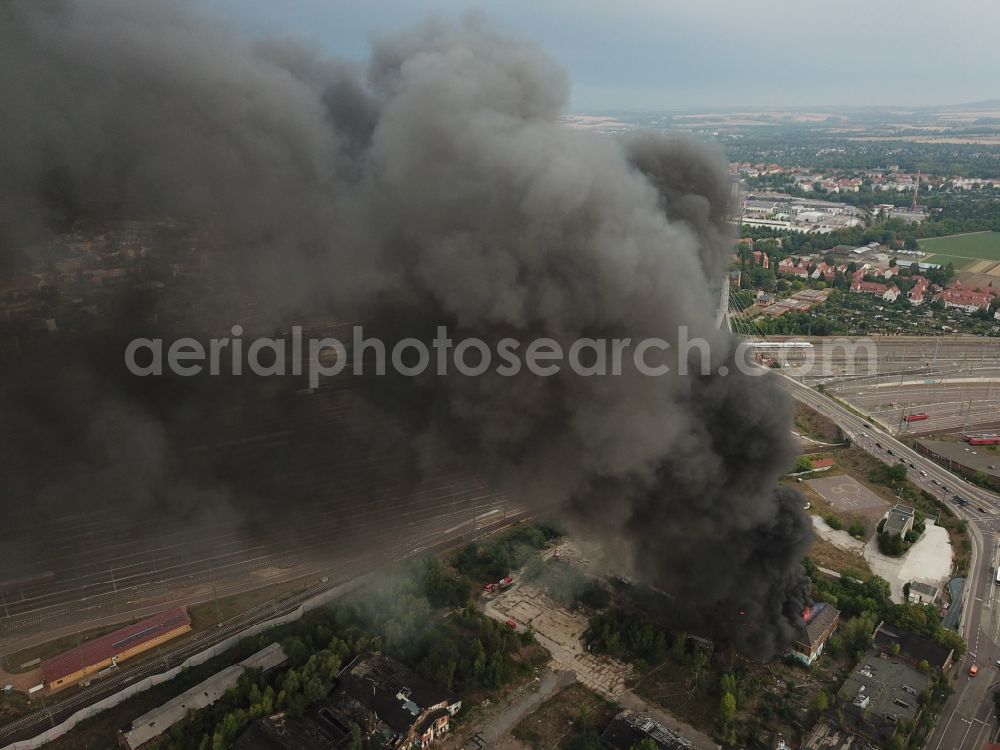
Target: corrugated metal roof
<point x="113" y="644"/>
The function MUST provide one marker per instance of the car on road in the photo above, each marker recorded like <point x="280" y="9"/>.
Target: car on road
<point x="878" y="445"/>
<point x="973" y="670"/>
<point x="869" y="426"/>
<point x="890" y="452"/>
<point x="934" y="481"/>
<point x="923" y="473"/>
<point x="912" y="466"/>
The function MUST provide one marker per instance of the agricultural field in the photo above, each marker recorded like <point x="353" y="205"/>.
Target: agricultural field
<point x="977" y="252"/>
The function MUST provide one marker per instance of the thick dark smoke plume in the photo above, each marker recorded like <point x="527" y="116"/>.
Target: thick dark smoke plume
<point x="435" y="186"/>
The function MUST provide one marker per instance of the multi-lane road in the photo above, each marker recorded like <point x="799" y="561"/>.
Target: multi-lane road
<point x="966" y="722"/>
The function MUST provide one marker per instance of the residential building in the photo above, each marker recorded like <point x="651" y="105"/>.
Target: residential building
<point x="870" y="287"/>
<point x="797" y="267"/>
<point x="969" y="300"/>
<point x="919" y="291"/>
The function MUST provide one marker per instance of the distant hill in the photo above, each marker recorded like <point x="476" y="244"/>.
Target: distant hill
<point x="986" y="105"/>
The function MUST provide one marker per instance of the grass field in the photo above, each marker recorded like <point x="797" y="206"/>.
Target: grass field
<point x="963" y="250"/>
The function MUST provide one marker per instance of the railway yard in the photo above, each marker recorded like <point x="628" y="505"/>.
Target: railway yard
<point x="362" y="508"/>
<point x="955" y="381"/>
<point x="101" y="570"/>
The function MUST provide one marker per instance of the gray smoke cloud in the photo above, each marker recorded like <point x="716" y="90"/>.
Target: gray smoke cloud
<point x="436" y="186"/>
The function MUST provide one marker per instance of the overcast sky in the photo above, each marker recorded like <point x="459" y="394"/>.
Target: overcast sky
<point x="669" y="54"/>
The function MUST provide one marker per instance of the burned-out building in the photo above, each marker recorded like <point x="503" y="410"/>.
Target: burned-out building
<point x="628" y="729"/>
<point x="398" y="703"/>
<point x="377" y="698"/>
<point x="818" y="623"/>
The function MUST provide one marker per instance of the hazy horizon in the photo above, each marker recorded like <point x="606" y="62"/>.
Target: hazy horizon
<point x="647" y="55"/>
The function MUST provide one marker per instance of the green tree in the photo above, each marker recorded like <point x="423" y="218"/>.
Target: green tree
<point x="803" y="463"/>
<point x="727" y="683"/>
<point x="727" y="709"/>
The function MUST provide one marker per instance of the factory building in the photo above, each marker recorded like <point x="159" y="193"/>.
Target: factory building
<point x="91" y="657"/>
<point x="817" y="625"/>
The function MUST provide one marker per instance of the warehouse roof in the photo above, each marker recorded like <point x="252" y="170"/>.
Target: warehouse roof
<point x="113" y="644"/>
<point x="971" y="458"/>
<point x="912" y="647"/>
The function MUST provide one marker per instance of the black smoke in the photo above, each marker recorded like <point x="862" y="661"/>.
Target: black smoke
<point x="434" y="186"/>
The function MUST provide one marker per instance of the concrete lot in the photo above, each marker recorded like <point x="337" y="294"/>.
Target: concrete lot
<point x="928" y="560"/>
<point x="840" y="539"/>
<point x="559" y="631"/>
<point x="848" y="495"/>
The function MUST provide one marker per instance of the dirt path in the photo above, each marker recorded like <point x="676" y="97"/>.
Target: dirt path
<point x="496" y="728"/>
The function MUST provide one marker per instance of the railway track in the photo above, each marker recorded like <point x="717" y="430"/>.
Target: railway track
<point x="166" y="658"/>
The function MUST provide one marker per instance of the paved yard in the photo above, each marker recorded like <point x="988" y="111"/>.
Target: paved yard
<point x="840" y="539"/>
<point x="559" y="631"/>
<point x="928" y="560"/>
<point x="847" y="495"/>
